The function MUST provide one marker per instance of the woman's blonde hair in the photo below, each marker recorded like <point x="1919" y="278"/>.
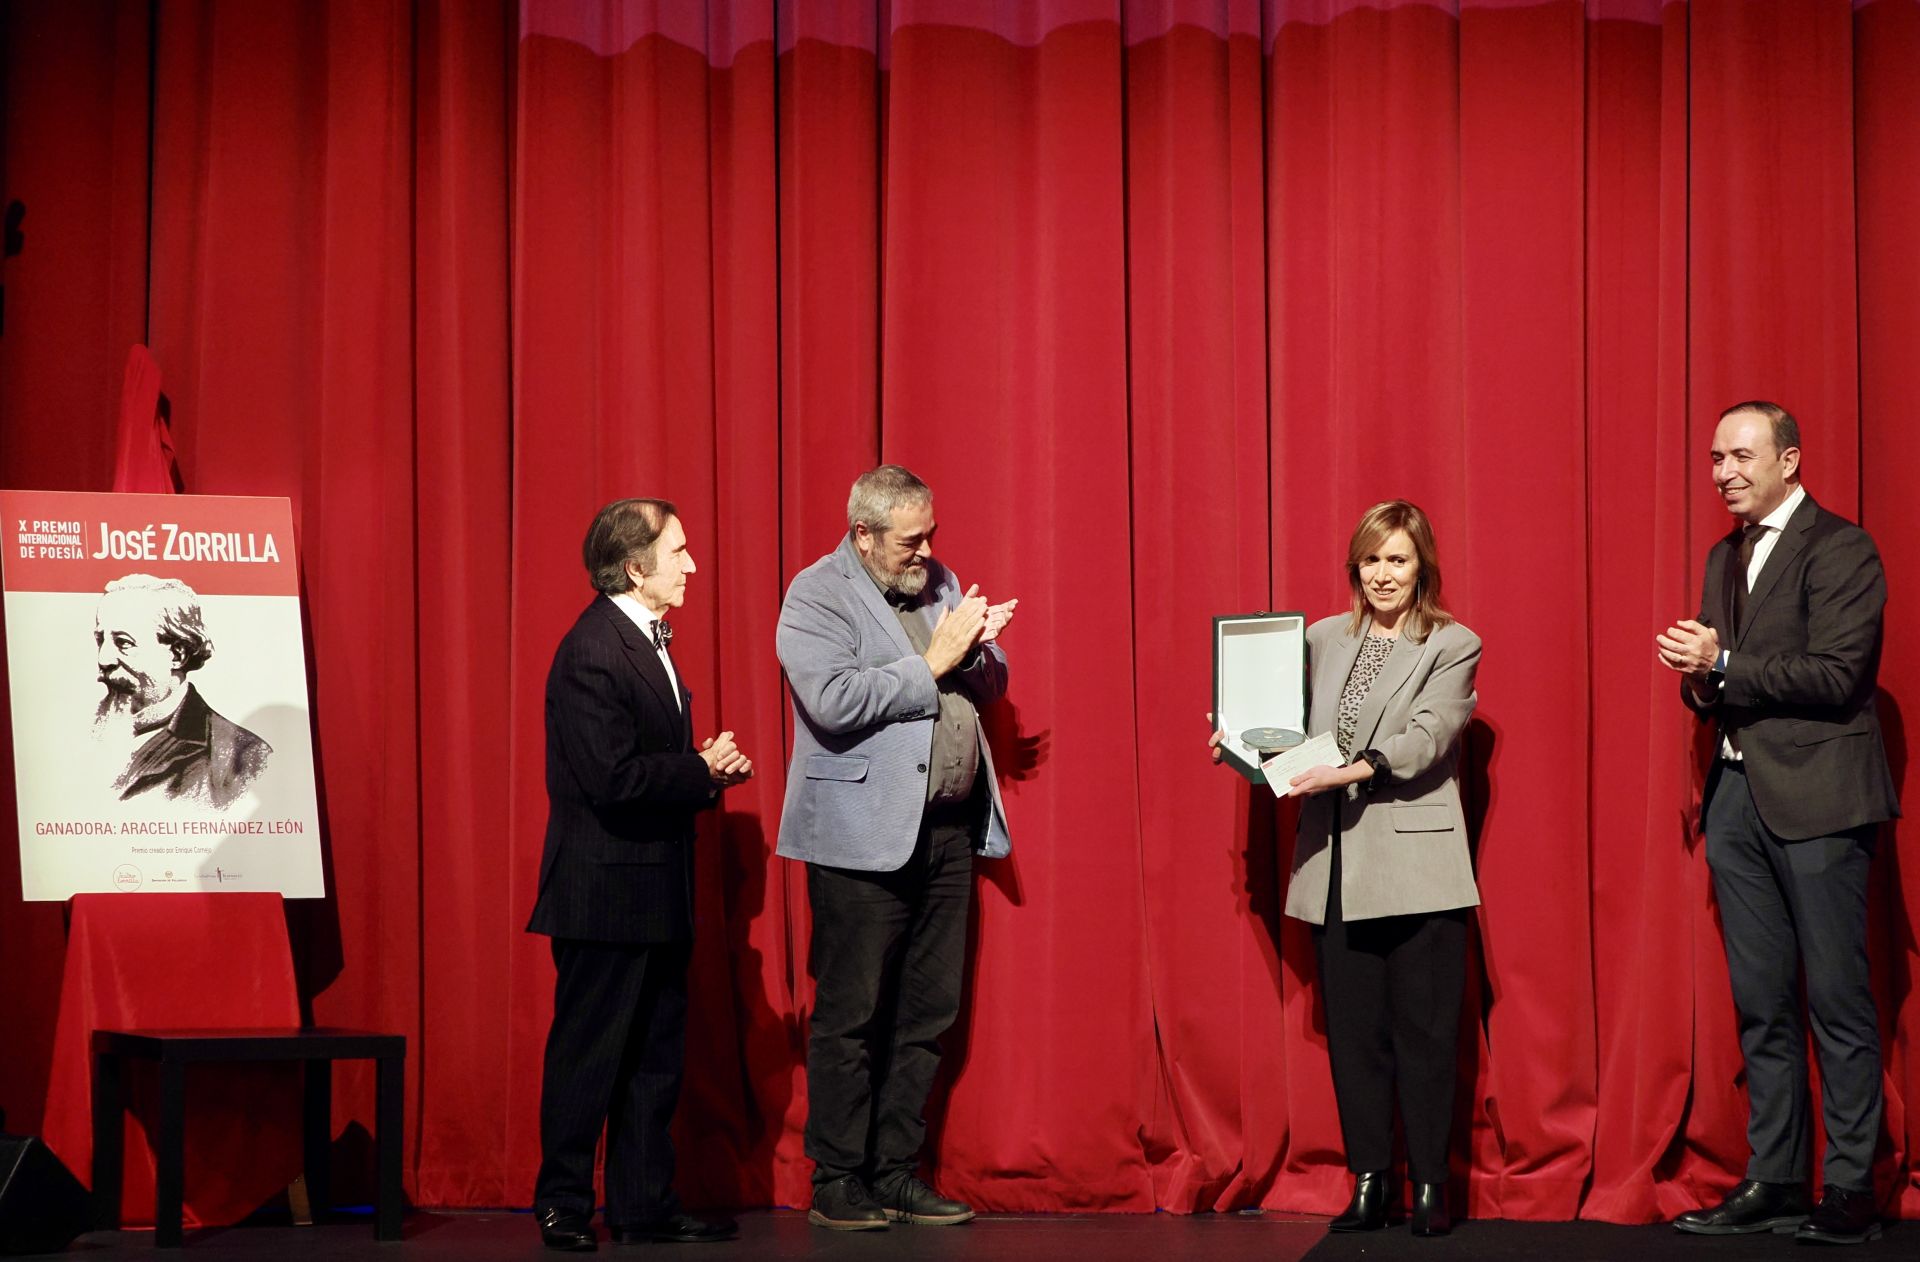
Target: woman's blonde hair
<point x="1427" y="614"/>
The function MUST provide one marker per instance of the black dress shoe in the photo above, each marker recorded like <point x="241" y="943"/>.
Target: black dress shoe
<point x="1751" y="1207"/>
<point x="677" y="1229"/>
<point x="1430" y="1217"/>
<point x="843" y="1205"/>
<point x="1368" y="1209"/>
<point x="908" y="1200"/>
<point x="1841" y="1217"/>
<point x="566" y="1229"/>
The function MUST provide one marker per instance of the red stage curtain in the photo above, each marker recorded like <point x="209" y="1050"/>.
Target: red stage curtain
<point x="1159" y="295"/>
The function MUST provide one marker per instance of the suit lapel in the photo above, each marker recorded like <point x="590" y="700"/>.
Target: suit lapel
<point x="1792" y="540"/>
<point x="644" y="657"/>
<point x="867" y="592"/>
<point x="1393" y="676"/>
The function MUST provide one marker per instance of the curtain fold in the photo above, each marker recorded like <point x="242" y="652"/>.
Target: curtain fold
<point x="1158" y="295"/>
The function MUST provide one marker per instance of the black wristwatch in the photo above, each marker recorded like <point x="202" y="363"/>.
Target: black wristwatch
<point x="1717" y="673"/>
<point x="1382" y="773"/>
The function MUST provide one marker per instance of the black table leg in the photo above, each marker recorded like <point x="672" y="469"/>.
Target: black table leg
<point x="389" y="1090"/>
<point x="316" y="1132"/>
<point x="109" y="1139"/>
<point x="170" y="1161"/>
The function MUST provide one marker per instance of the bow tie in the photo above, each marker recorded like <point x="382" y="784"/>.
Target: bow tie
<point x="662" y="634"/>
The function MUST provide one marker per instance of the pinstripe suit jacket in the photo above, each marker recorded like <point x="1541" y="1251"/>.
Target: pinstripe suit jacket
<point x="864" y="704"/>
<point x="623" y="785"/>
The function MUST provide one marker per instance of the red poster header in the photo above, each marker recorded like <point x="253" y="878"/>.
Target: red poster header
<point x="76" y="541"/>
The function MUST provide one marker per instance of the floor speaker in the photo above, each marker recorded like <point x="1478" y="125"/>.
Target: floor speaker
<point x="42" y="1206"/>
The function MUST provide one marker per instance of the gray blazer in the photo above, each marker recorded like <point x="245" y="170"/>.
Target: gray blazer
<point x="1403" y="847"/>
<point x="864" y="704"/>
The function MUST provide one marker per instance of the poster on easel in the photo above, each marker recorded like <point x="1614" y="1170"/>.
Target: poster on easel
<point x="158" y="685"/>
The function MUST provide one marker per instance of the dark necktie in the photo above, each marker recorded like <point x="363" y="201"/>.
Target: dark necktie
<point x="1749" y="535"/>
<point x="662" y="634"/>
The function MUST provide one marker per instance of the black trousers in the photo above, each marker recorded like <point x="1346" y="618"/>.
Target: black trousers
<point x="614" y="1058"/>
<point x="1392" y="988"/>
<point x="888" y="959"/>
<point x="1788" y="910"/>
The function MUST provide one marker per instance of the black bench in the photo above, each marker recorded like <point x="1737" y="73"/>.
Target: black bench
<point x="173" y="1050"/>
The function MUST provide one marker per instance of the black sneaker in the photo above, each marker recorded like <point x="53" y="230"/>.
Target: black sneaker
<point x="910" y="1201"/>
<point x="844" y="1205"/>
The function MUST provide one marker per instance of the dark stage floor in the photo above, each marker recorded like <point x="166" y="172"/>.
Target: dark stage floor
<point x="484" y="1237"/>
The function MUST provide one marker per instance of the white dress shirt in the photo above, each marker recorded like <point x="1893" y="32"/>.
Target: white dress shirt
<point x="644" y="618"/>
<point x="1773" y="523"/>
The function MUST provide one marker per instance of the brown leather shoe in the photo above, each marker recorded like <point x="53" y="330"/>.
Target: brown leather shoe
<point x="845" y="1205"/>
<point x="908" y="1200"/>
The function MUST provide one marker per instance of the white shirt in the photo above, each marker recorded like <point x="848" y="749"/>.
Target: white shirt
<point x="1771" y="526"/>
<point x="644" y="618"/>
<point x="1773" y="523"/>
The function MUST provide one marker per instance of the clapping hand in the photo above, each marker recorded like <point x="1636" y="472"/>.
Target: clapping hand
<point x="1688" y="647"/>
<point x="998" y="616"/>
<point x="957" y="632"/>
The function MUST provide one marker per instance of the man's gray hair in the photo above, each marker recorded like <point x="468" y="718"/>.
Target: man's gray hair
<point x="181" y="627"/>
<point x="877" y="492"/>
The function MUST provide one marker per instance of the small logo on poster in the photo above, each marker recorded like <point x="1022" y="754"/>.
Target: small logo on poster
<point x="126" y="877"/>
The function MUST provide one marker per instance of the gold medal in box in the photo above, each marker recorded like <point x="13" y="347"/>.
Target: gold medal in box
<point x="1259" y="687"/>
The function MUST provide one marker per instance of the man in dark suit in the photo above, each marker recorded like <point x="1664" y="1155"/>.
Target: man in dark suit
<point x="1783" y="657"/>
<point x="624" y="782"/>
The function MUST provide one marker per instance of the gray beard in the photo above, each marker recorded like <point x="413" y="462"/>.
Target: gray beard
<point x="906" y="582"/>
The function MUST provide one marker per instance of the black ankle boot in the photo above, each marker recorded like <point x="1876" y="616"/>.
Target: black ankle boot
<point x="1368" y="1210"/>
<point x="1430" y="1216"/>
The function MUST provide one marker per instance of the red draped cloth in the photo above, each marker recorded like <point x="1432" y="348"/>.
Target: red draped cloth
<point x="143" y="450"/>
<point x="207" y="961"/>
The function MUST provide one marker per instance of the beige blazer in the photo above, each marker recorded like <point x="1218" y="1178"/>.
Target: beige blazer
<point x="1404" y="845"/>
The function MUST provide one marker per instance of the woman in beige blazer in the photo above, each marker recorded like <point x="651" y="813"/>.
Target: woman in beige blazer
<point x="1380" y="864"/>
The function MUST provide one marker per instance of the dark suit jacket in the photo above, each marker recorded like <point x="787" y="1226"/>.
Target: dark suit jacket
<point x="623" y="786"/>
<point x="1800" y="680"/>
<point x="199" y="754"/>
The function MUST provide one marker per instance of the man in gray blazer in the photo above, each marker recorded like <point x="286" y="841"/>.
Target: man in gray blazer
<point x="890" y="794"/>
<point x="1783" y="658"/>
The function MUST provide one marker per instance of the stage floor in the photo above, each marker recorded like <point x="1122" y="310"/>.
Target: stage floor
<point x="784" y="1234"/>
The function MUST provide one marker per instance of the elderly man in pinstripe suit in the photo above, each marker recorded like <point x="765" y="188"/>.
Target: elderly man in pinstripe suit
<point x="616" y="887"/>
<point x="890" y="793"/>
